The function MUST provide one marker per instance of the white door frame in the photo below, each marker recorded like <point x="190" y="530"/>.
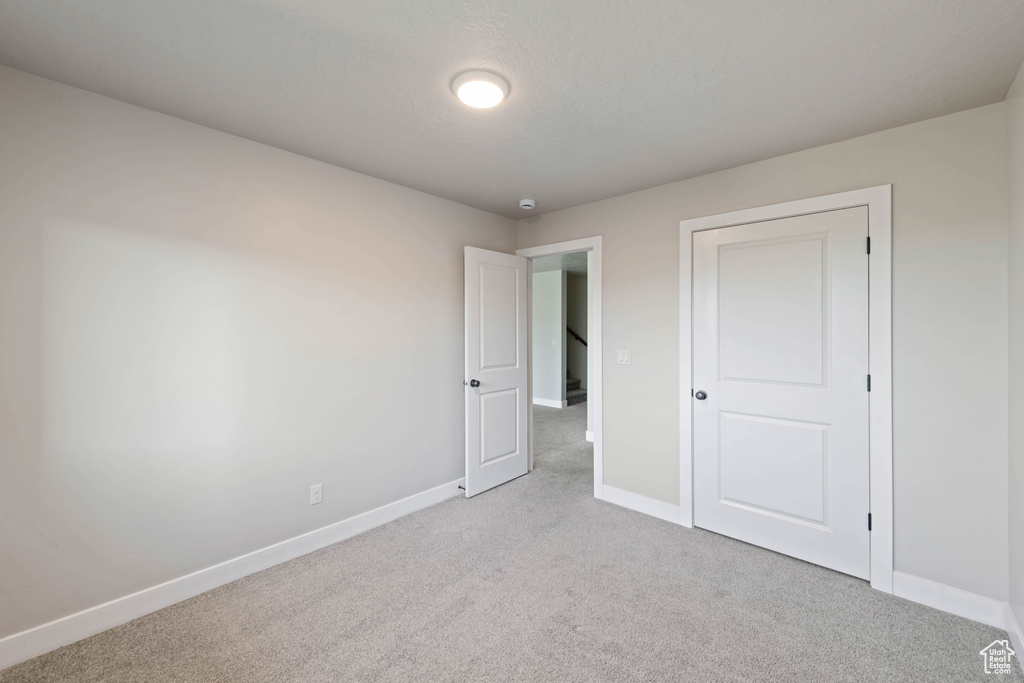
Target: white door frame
<point x="595" y="393"/>
<point x="879" y="202"/>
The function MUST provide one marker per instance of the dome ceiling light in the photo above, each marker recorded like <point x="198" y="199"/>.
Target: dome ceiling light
<point x="480" y="89"/>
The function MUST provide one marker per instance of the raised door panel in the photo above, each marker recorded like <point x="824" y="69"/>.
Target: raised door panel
<point x="775" y="467"/>
<point x="499" y="317"/>
<point x="773" y="311"/>
<point x="499" y="420"/>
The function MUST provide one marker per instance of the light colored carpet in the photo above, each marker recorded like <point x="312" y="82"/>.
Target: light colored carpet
<point x="534" y="581"/>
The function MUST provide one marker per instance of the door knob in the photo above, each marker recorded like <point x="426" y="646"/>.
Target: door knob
<point x="700" y="395"/>
<point x="474" y="382"/>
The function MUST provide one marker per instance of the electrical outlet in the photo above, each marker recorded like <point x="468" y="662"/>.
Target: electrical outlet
<point x="316" y="494"/>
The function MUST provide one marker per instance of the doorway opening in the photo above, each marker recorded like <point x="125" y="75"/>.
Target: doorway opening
<point x="564" y="303"/>
<point x="559" y="305"/>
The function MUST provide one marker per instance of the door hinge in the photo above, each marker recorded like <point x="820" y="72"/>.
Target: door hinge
<point x="869" y="245"/>
<point x="869" y="382"/>
<point x="869" y="521"/>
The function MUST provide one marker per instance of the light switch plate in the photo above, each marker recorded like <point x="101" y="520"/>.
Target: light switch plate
<point x="623" y="356"/>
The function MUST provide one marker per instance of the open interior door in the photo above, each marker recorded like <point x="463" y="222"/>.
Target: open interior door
<point x="496" y="369"/>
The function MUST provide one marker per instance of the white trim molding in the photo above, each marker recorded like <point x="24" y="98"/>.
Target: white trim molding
<point x="548" y="402"/>
<point x="643" y="504"/>
<point x="590" y="436"/>
<point x="948" y="599"/>
<point x="879" y="202"/>
<point x="595" y="393"/>
<point x="1013" y="627"/>
<point x="23" y="646"/>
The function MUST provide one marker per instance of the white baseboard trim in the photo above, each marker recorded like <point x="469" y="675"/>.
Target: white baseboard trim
<point x="590" y="436"/>
<point x="549" y="402"/>
<point x="23" y="646"/>
<point x="648" y="506"/>
<point x="948" y="599"/>
<point x="1013" y="627"/>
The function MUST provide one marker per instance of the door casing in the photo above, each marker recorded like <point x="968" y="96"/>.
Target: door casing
<point x="878" y="200"/>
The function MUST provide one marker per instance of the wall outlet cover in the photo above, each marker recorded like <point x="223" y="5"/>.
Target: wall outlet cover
<point x="316" y="494"/>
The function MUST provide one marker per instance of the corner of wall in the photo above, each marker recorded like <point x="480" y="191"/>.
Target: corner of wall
<point x="1015" y="267"/>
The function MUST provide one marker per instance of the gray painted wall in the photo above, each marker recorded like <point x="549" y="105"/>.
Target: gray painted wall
<point x="549" y="291"/>
<point x="195" y="328"/>
<point x="1015" y="132"/>
<point x="950" y="325"/>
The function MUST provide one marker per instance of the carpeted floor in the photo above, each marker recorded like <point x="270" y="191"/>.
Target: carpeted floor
<point x="534" y="581"/>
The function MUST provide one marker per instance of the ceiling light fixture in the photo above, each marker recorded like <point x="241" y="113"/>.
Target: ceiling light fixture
<point x="480" y="89"/>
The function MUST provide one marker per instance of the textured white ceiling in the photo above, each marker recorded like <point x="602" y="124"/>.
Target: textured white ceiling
<point x="608" y="96"/>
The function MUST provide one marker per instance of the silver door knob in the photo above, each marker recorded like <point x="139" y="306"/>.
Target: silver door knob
<point x="700" y="395"/>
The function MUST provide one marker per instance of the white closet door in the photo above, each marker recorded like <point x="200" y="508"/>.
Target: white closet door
<point x="780" y="364"/>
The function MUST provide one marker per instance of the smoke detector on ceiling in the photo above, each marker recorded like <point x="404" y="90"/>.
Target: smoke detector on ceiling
<point x="527" y="204"/>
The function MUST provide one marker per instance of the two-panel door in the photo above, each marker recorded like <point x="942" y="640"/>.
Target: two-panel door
<point x="780" y="365"/>
<point x="497" y="449"/>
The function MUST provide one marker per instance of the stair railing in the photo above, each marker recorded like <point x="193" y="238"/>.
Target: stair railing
<point x="580" y="339"/>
